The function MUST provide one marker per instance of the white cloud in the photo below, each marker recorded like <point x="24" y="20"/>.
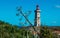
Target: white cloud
<point x="58" y="6"/>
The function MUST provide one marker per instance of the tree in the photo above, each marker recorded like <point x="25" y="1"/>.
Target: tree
<point x="45" y="32"/>
<point x="10" y="31"/>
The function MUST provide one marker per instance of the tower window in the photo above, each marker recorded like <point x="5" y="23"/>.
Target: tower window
<point x="38" y="17"/>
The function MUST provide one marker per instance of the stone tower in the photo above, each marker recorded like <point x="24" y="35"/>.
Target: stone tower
<point x="37" y="16"/>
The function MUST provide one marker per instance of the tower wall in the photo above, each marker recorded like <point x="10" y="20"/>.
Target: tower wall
<point x="37" y="16"/>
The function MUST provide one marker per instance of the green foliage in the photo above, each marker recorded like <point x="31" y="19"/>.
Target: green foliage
<point x="45" y="32"/>
<point x="9" y="31"/>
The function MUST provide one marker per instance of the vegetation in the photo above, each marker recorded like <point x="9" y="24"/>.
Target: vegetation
<point x="54" y="27"/>
<point x="45" y="32"/>
<point x="10" y="31"/>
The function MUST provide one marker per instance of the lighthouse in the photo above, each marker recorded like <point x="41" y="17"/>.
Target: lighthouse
<point x="37" y="16"/>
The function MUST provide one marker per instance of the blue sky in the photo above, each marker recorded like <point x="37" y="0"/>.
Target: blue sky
<point x="50" y="11"/>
